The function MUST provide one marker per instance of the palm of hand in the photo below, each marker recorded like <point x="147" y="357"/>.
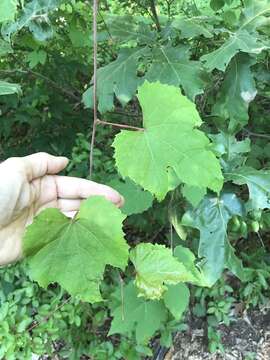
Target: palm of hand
<point x="27" y="186"/>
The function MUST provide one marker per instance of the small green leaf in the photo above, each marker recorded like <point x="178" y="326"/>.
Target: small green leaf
<point x="74" y="253"/>
<point x="137" y="314"/>
<point x="176" y="299"/>
<point x="36" y="57"/>
<point x="156" y="267"/>
<point x="7" y="88"/>
<point x="136" y="199"/>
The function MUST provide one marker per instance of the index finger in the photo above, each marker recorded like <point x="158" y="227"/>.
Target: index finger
<point x="76" y="188"/>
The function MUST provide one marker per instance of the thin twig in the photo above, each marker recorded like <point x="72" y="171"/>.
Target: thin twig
<point x="105" y="24"/>
<point x="122" y="126"/>
<point x="45" y="78"/>
<point x="95" y="13"/>
<point x="250" y="133"/>
<point x="46" y="318"/>
<point x="122" y="297"/>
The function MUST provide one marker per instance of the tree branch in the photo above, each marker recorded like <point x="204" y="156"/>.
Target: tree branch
<point x="155" y="15"/>
<point x="45" y="78"/>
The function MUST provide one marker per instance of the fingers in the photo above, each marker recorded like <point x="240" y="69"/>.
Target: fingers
<point x="41" y="164"/>
<point x="76" y="188"/>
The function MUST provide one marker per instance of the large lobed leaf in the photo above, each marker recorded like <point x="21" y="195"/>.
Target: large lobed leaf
<point x="258" y="182"/>
<point x="172" y="66"/>
<point x="237" y="91"/>
<point x="242" y="40"/>
<point x="211" y="218"/>
<point x="118" y="78"/>
<point x="170" y="140"/>
<point x="34" y="16"/>
<point x="74" y="253"/>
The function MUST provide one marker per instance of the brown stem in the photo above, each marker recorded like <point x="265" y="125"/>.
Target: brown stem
<point x="121" y="126"/>
<point x="155" y="15"/>
<point x="95" y="13"/>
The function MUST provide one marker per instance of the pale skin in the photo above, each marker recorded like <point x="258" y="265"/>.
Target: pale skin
<point x="30" y="184"/>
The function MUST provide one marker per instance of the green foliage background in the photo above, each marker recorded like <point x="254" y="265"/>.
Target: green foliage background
<point x="217" y="53"/>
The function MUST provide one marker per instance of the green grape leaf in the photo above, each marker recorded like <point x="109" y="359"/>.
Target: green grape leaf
<point x="7" y="88"/>
<point x="193" y="194"/>
<point x="169" y="139"/>
<point x="237" y="91"/>
<point x="124" y="28"/>
<point x="119" y="78"/>
<point x="136" y="199"/>
<point x="8" y="9"/>
<point x="211" y="218"/>
<point x="176" y="299"/>
<point x="258" y="182"/>
<point x="239" y="41"/>
<point x="192" y="27"/>
<point x="156" y="267"/>
<point x="187" y="258"/>
<point x="137" y="314"/>
<point x="34" y="17"/>
<point x="74" y="253"/>
<point x="230" y="149"/>
<point x="172" y="66"/>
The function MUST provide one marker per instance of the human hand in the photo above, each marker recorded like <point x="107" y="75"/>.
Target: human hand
<point x="29" y="185"/>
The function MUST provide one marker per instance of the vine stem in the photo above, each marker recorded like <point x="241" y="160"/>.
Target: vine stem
<point x="121" y="126"/>
<point x="155" y="15"/>
<point x="95" y="104"/>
